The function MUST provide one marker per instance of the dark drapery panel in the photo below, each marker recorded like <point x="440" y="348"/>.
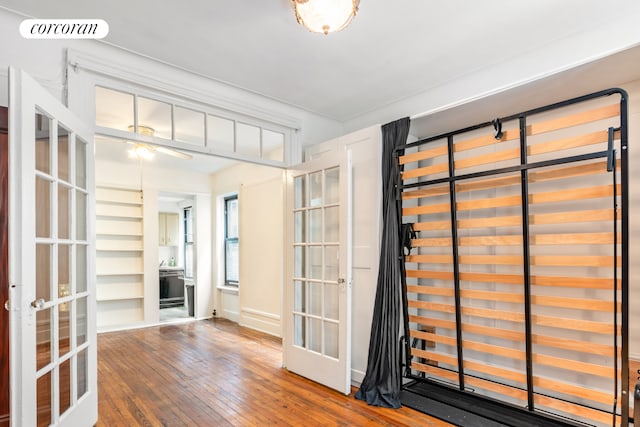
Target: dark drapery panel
<point x="383" y="379"/>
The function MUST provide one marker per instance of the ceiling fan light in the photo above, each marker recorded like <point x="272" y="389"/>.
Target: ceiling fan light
<point x="325" y="16"/>
<point x="141" y="151"/>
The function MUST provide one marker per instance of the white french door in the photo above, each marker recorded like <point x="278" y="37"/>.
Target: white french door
<point x="51" y="261"/>
<point x="318" y="282"/>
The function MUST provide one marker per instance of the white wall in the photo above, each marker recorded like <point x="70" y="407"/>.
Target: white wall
<point x="256" y="302"/>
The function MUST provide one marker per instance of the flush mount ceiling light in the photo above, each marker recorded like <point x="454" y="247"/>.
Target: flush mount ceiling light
<point x="325" y="16"/>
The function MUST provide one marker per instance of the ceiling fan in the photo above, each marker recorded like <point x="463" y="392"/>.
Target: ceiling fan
<point x="147" y="151"/>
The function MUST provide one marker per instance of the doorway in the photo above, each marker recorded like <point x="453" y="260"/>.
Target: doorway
<point x="176" y="256"/>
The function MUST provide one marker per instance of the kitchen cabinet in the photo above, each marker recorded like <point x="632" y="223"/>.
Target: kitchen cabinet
<point x="168" y="229"/>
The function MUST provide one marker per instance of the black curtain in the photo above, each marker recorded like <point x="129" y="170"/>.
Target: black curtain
<point x="383" y="379"/>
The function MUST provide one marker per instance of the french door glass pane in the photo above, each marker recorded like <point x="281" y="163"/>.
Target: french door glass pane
<point x="81" y="268"/>
<point x="299" y="293"/>
<point x="331" y="339"/>
<point x="315" y="226"/>
<point x="331" y="263"/>
<point x="81" y="215"/>
<point x="64" y="329"/>
<point x="315" y="262"/>
<point x="43" y="144"/>
<point x="332" y="186"/>
<point x="81" y="163"/>
<point x="65" y="385"/>
<point x="331" y="301"/>
<point x="44" y="327"/>
<point x="81" y="372"/>
<point x="43" y="207"/>
<point x="43" y="271"/>
<point x="299" y="332"/>
<point x="315" y="189"/>
<point x="43" y="387"/>
<point x="81" y="321"/>
<point x="299" y="229"/>
<point x="331" y="224"/>
<point x="299" y="264"/>
<point x="300" y="192"/>
<point x="64" y="271"/>
<point x="64" y="212"/>
<point x="315" y="335"/>
<point x="63" y="154"/>
<point x="315" y="298"/>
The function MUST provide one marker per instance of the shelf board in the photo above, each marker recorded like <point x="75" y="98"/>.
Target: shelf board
<point x="119" y="250"/>
<point x="118" y="216"/>
<point x="120" y="274"/>
<point x="98" y="234"/>
<point x="118" y="298"/>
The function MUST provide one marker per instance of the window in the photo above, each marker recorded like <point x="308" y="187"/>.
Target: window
<point x="188" y="242"/>
<point x="231" y="244"/>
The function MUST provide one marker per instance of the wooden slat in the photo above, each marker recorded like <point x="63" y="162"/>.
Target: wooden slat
<point x="498" y="156"/>
<point x="573" y="345"/>
<point x="429" y="259"/>
<point x="427" y="170"/>
<point x="568" y="143"/>
<point x="427" y="192"/>
<point x="493" y="314"/>
<point x="493" y="202"/>
<point x="508" y="279"/>
<point x="438" y="323"/>
<point x="496" y="388"/>
<point x="432" y="226"/>
<point x="573" y="409"/>
<point x="428" y="209"/>
<point x="490" y="241"/>
<point x="503" y="221"/>
<point x="439" y="357"/>
<point x="426" y="305"/>
<point x="574" y="282"/>
<point x="430" y="290"/>
<point x="435" y="371"/>
<point x="429" y="274"/>
<point x="424" y="155"/>
<point x="574" y="239"/>
<point x="575" y="303"/>
<point x="432" y="241"/>
<point x="574" y="194"/>
<point x="485" y="140"/>
<point x="487" y="184"/>
<point x="574" y="324"/>
<point x="574" y="119"/>
<point x="492" y="296"/>
<point x="574" y="216"/>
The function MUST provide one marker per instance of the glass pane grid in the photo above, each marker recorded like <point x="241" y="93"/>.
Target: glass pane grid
<point x="316" y="243"/>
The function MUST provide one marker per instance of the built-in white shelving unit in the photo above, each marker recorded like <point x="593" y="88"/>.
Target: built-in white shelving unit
<point x="119" y="256"/>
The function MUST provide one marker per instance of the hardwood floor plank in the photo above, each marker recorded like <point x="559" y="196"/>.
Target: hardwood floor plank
<point x="216" y="373"/>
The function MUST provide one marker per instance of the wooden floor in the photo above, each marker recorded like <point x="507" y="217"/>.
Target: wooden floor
<point x="215" y="373"/>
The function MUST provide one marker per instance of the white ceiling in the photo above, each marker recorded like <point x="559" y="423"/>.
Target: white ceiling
<point x="392" y="50"/>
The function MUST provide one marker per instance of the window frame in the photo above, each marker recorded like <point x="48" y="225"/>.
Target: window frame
<point x="186" y="241"/>
<point x="227" y="239"/>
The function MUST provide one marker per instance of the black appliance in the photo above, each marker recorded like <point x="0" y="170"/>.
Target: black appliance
<point x="171" y="287"/>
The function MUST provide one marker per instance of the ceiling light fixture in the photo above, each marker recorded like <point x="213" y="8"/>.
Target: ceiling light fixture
<point x="325" y="16"/>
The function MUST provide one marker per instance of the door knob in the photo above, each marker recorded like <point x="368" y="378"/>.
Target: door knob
<point x="7" y="305"/>
<point x="38" y="304"/>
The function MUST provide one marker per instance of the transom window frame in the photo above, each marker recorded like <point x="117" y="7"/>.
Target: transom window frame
<point x="85" y="73"/>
